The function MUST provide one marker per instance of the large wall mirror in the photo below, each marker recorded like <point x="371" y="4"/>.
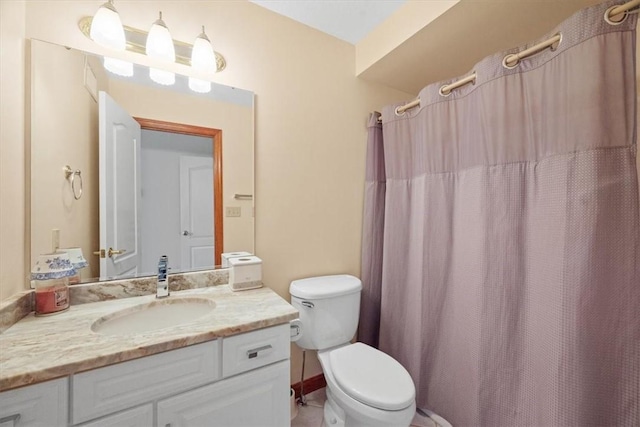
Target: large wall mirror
<point x="182" y="186"/>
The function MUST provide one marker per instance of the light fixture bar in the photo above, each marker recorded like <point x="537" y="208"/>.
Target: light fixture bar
<point x="136" y="40"/>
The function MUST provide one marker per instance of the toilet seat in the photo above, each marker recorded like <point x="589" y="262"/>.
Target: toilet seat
<point x="372" y="377"/>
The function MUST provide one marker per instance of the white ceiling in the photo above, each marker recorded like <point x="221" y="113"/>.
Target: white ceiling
<point x="349" y="20"/>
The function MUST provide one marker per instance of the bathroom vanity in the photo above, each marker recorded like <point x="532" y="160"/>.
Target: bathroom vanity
<point x="228" y="367"/>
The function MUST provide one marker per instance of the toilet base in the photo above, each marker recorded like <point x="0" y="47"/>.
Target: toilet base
<point x="336" y="416"/>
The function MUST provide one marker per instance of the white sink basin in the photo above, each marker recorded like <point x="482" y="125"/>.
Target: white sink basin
<point x="153" y="316"/>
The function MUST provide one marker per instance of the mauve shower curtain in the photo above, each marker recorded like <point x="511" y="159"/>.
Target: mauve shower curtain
<point x="501" y="237"/>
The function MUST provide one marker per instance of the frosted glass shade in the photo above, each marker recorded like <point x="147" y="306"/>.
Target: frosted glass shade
<point x="160" y="46"/>
<point x="118" y="66"/>
<point x="198" y="85"/>
<point x="159" y="42"/>
<point x="202" y="56"/>
<point x="163" y="77"/>
<point x="106" y="28"/>
<point x="203" y="60"/>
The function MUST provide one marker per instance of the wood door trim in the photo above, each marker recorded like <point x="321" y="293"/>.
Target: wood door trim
<point x="216" y="141"/>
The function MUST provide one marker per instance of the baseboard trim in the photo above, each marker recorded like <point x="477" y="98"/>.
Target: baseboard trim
<point x="310" y="384"/>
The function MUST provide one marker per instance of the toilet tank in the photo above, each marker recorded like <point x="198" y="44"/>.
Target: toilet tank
<point x="329" y="309"/>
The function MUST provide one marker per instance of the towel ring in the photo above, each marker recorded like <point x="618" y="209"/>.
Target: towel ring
<point x="70" y="174"/>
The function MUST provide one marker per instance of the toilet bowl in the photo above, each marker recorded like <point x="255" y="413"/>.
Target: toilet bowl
<point x="365" y="387"/>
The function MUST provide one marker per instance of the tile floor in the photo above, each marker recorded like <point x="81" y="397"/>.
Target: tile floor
<point x="311" y="415"/>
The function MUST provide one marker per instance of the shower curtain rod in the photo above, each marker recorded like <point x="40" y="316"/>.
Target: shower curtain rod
<point x="512" y="60"/>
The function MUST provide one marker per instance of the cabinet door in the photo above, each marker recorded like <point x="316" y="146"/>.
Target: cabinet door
<point x="259" y="398"/>
<point x="40" y="405"/>
<point x="117" y="387"/>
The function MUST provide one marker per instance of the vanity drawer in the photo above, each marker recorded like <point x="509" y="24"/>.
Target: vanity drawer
<point x="113" y="388"/>
<point x="141" y="416"/>
<point x="241" y="353"/>
<point x="40" y="405"/>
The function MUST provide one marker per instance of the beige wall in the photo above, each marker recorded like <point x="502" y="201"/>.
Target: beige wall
<point x="65" y="132"/>
<point x="12" y="149"/>
<point x="310" y="131"/>
<point x="236" y="122"/>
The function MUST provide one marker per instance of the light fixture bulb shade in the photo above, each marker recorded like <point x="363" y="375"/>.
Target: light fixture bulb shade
<point x="163" y="77"/>
<point x="159" y="42"/>
<point x="106" y="28"/>
<point x="200" y="86"/>
<point x="203" y="57"/>
<point x="118" y="66"/>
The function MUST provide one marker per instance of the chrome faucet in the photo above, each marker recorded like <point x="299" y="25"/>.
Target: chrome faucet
<point x="162" y="290"/>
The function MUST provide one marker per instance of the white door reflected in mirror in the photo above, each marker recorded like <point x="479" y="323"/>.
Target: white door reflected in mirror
<point x="119" y="140"/>
<point x="196" y="212"/>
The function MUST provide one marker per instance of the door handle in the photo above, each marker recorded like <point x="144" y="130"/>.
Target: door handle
<point x="109" y="253"/>
<point x="187" y="233"/>
<point x="100" y="253"/>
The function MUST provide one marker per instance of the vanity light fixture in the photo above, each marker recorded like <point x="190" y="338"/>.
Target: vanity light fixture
<point x="160" y="46"/>
<point x="107" y="30"/>
<point x="136" y="42"/>
<point x="203" y="59"/>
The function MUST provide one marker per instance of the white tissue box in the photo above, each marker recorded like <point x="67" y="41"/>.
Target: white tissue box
<point x="245" y="273"/>
<point x="226" y="256"/>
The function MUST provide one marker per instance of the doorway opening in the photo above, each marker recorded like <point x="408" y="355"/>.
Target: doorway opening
<point x="200" y="210"/>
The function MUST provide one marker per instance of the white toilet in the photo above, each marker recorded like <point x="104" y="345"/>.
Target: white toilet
<point x="365" y="387"/>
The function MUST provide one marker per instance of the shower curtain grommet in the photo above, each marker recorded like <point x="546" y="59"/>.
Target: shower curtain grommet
<point x="506" y="65"/>
<point x="441" y="91"/>
<point x="399" y="114"/>
<point x="608" y="20"/>
<point x="556" y="45"/>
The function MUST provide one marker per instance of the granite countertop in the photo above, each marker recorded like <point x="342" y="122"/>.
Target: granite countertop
<point x="37" y="349"/>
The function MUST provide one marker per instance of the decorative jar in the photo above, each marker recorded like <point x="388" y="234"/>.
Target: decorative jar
<point x="51" y="277"/>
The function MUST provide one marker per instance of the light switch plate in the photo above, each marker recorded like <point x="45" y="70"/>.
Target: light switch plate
<point x="233" y="211"/>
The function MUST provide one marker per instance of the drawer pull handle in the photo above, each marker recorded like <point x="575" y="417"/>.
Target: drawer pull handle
<point x="252" y="354"/>
<point x="13" y="419"/>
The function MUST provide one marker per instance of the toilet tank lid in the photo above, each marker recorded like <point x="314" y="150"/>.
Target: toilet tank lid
<point x="325" y="286"/>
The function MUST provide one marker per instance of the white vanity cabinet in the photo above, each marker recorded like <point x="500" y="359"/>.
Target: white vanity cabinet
<point x="39" y="405"/>
<point x="241" y="380"/>
<point x="258" y="398"/>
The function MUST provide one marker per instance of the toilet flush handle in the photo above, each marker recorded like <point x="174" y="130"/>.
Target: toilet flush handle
<point x="307" y="304"/>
